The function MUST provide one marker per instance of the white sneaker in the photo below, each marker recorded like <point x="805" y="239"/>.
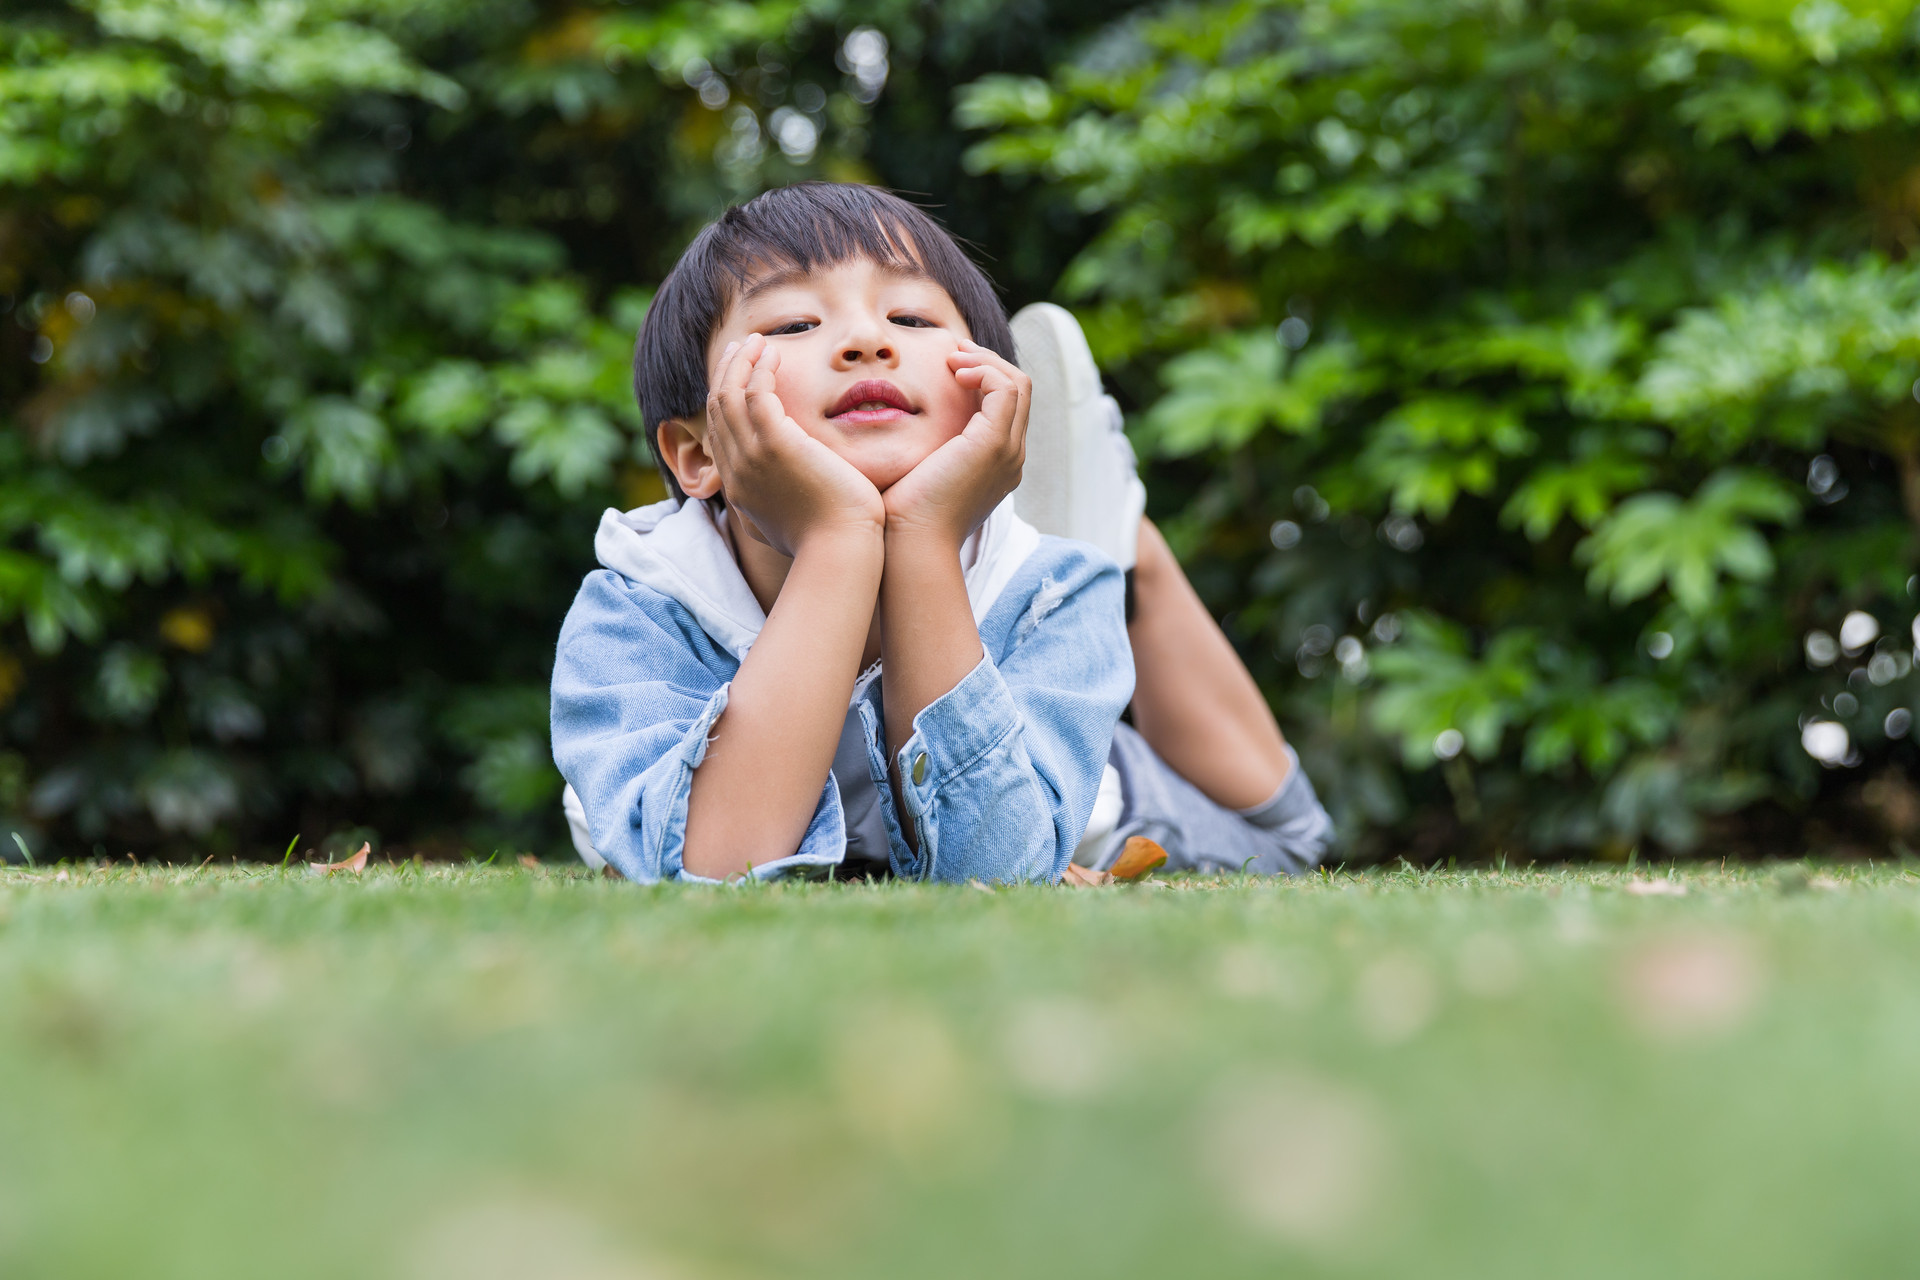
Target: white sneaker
<point x="577" y="828"/>
<point x="1081" y="479"/>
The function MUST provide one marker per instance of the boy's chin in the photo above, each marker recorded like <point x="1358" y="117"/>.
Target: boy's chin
<point x="883" y="468"/>
<point x="883" y="478"/>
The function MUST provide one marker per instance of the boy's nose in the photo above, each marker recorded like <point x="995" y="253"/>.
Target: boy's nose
<point x="862" y="340"/>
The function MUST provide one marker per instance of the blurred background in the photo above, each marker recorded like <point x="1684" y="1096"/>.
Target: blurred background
<point x="1529" y="386"/>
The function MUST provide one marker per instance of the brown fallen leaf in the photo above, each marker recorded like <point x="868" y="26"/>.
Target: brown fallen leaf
<point x="1138" y="857"/>
<point x="1078" y="877"/>
<point x="1656" y="888"/>
<point x="356" y="864"/>
<point x="530" y="862"/>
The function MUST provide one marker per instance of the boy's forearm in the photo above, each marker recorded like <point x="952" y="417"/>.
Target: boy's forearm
<point x="928" y="638"/>
<point x="755" y="792"/>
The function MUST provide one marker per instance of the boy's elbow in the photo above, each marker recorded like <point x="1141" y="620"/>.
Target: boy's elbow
<point x="710" y="864"/>
<point x="718" y="850"/>
<point x="713" y="856"/>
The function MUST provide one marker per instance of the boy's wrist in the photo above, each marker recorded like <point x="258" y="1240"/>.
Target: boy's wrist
<point x="913" y="537"/>
<point x="850" y="541"/>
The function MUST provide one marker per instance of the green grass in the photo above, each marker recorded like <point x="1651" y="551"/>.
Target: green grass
<point x="504" y="1073"/>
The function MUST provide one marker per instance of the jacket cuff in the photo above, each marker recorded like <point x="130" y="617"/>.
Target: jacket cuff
<point x="951" y="734"/>
<point x="823" y="844"/>
<point x="668" y="790"/>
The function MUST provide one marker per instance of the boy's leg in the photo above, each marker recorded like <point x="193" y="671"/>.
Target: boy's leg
<point x="1287" y="834"/>
<point x="1204" y="769"/>
<point x="1194" y="701"/>
<point x="1208" y="774"/>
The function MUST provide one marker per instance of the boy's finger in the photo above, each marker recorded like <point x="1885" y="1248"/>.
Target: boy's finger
<point x="764" y="410"/>
<point x="744" y="359"/>
<point x="993" y="360"/>
<point x="1013" y="393"/>
<point x="726" y="372"/>
<point x="972" y="355"/>
<point x="727" y="401"/>
<point x="1022" y="388"/>
<point x="995" y="385"/>
<point x="723" y="369"/>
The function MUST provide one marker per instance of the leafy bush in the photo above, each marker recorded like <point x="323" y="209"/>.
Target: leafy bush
<point x="1534" y="383"/>
<point x="1529" y="384"/>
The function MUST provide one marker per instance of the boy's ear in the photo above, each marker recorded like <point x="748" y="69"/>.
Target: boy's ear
<point x="685" y="453"/>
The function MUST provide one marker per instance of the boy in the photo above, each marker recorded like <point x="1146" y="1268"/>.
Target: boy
<point x="839" y="645"/>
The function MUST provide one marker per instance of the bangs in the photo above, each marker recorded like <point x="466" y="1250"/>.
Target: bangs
<point x="787" y="246"/>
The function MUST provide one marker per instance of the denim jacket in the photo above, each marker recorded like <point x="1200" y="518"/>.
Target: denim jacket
<point x="999" y="776"/>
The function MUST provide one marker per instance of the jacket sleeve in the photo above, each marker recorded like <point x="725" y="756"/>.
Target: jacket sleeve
<point x="636" y="692"/>
<point x="1000" y="774"/>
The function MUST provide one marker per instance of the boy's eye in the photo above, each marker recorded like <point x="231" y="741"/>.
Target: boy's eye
<point x="912" y="322"/>
<point x="791" y="326"/>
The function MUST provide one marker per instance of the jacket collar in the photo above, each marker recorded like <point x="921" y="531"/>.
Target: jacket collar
<point x="680" y="550"/>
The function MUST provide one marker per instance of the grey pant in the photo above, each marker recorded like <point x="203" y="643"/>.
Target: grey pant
<point x="1286" y="835"/>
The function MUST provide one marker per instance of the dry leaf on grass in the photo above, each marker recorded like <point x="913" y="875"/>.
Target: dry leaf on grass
<point x="1078" y="877"/>
<point x="1138" y="857"/>
<point x="530" y="862"/>
<point x="1656" y="888"/>
<point x="356" y="864"/>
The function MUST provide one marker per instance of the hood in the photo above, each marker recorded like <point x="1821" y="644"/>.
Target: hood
<point x="680" y="550"/>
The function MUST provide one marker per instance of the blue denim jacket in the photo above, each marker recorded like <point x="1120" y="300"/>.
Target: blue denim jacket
<point x="999" y="776"/>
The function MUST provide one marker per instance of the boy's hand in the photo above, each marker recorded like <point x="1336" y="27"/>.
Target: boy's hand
<point x="788" y="484"/>
<point x="957" y="485"/>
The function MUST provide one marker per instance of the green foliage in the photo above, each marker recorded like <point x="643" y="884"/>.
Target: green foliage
<point x="1655" y="538"/>
<point x="1540" y="373"/>
<point x="1567" y="349"/>
<point x="1221" y="396"/>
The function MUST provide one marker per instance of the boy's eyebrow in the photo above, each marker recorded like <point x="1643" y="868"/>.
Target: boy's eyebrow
<point x="788" y="275"/>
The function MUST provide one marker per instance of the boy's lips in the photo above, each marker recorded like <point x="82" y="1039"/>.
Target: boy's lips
<point x="872" y="400"/>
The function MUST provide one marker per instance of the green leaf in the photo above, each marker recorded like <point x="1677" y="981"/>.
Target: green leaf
<point x="1430" y="450"/>
<point x="344" y="446"/>
<point x="130" y="682"/>
<point x="1584" y="489"/>
<point x="1658" y="539"/>
<point x="449" y="398"/>
<point x="1222" y="395"/>
<point x="1430" y="683"/>
<point x="575" y="446"/>
<point x="1597" y="725"/>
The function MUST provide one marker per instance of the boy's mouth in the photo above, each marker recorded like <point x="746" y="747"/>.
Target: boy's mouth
<point x="871" y="401"/>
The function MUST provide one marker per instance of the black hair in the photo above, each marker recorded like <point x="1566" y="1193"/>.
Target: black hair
<point x="803" y="226"/>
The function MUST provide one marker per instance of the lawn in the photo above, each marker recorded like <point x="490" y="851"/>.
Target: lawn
<point x="488" y="1073"/>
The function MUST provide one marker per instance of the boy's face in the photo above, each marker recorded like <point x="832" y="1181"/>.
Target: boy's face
<point x="863" y="360"/>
